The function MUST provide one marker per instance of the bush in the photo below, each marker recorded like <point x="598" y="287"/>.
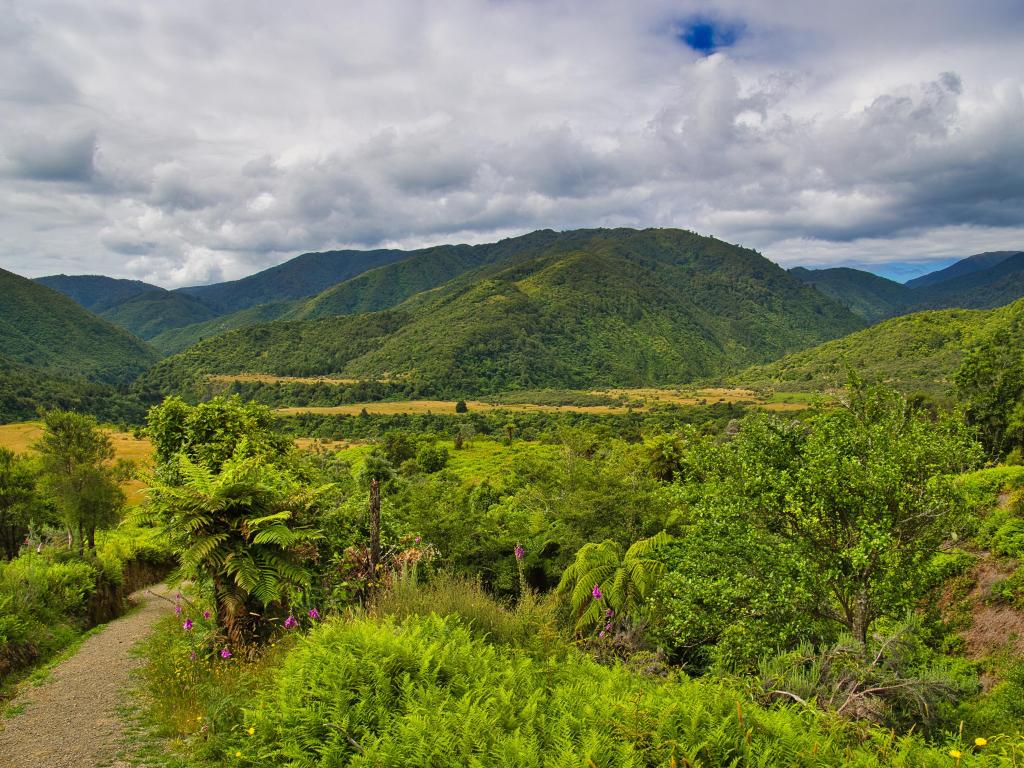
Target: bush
<point x="432" y="458"/>
<point x="427" y="692"/>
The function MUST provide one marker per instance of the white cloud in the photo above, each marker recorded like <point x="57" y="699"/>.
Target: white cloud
<point x="191" y="141"/>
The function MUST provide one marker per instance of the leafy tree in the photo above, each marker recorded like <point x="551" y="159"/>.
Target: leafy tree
<point x="990" y="385"/>
<point x="17" y="494"/>
<point x="603" y="578"/>
<point x="398" y="446"/>
<point x="212" y="432"/>
<point x="432" y="458"/>
<point x="461" y="407"/>
<point x="237" y="530"/>
<point x="75" y="454"/>
<point x="862" y="492"/>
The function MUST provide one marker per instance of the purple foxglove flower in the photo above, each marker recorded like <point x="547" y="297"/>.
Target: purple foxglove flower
<point x="225" y="653"/>
<point x="609" y="613"/>
<point x="607" y="627"/>
<point x="187" y="625"/>
<point x="596" y="592"/>
<point x="520" y="552"/>
<point x="601" y="633"/>
<point x="290" y="622"/>
<point x="314" y="613"/>
<point x="177" y="610"/>
<point x="419" y="539"/>
<point x="206" y="615"/>
<point x="177" y="595"/>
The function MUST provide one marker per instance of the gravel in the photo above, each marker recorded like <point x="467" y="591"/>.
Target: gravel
<point x="71" y="720"/>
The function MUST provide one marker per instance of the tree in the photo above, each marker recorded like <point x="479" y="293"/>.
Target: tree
<point x="990" y="385"/>
<point x="603" y="578"/>
<point x="17" y="494"/>
<point x="236" y="529"/>
<point x="461" y="407"/>
<point x="212" y="432"/>
<point x="863" y="493"/>
<point x="432" y="458"/>
<point x="75" y="454"/>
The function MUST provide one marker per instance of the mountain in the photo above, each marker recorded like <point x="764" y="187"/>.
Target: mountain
<point x="916" y="352"/>
<point x="303" y="276"/>
<point x="173" y="340"/>
<point x="962" y="268"/>
<point x="872" y="297"/>
<point x="153" y="312"/>
<point x="96" y="292"/>
<point x="574" y="309"/>
<point x="994" y="286"/>
<point x="45" y="329"/>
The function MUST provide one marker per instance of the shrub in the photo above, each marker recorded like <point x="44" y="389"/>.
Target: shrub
<point x="427" y="692"/>
<point x="432" y="458"/>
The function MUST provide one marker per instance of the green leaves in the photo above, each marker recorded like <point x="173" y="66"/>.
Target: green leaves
<point x="622" y="580"/>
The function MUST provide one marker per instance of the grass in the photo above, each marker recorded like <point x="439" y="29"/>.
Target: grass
<point x="631" y="400"/>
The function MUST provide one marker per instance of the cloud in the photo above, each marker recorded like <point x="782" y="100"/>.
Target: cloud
<point x="189" y="142"/>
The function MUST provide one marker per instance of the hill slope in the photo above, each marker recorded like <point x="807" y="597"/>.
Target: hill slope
<point x="962" y="268"/>
<point x="153" y="312"/>
<point x="305" y="275"/>
<point x="43" y="328"/>
<point x="993" y="286"/>
<point x="96" y="292"/>
<point x="872" y="297"/>
<point x="581" y="308"/>
<point x="920" y="351"/>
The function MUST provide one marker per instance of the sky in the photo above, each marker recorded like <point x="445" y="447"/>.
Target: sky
<point x="192" y="142"/>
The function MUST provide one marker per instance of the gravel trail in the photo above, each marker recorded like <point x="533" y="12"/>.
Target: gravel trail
<point x="71" y="720"/>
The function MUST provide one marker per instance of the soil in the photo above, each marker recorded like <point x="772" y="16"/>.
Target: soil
<point x="71" y="720"/>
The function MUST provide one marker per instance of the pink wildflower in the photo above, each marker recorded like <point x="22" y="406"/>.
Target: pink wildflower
<point x="596" y="592"/>
<point x="187" y="625"/>
<point x="314" y="614"/>
<point x="290" y="622"/>
<point x="225" y="653"/>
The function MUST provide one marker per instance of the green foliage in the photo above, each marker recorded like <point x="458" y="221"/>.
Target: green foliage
<point x="895" y="681"/>
<point x="614" y="307"/>
<point x="212" y="432"/>
<point x="990" y="384"/>
<point x="236" y="529"/>
<point x="603" y="578"/>
<point x="25" y="389"/>
<point x="531" y="624"/>
<point x="75" y="458"/>
<point x="432" y="458"/>
<point x="426" y="692"/>
<point x="18" y="501"/>
<point x="151" y="313"/>
<point x="731" y="595"/>
<point x="44" y="329"/>
<point x="872" y="297"/>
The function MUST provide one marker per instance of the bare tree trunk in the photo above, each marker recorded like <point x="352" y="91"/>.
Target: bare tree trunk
<point x="374" y="525"/>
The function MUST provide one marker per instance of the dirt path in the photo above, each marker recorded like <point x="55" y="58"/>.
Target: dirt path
<point x="71" y="720"/>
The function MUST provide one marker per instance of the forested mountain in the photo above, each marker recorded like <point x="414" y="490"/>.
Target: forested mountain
<point x="45" y="329"/>
<point x="1000" y="283"/>
<point x="872" y="297"/>
<point x="24" y="389"/>
<point x="96" y="292"/>
<point x="153" y="312"/>
<point x="916" y="352"/>
<point x="297" y="278"/>
<point x="978" y="262"/>
<point x="582" y="308"/>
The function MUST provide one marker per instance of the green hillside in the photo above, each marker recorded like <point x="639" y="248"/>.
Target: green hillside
<point x="96" y="292"/>
<point x="303" y="276"/>
<point x="920" y="351"/>
<point x="175" y="340"/>
<point x="994" y="286"/>
<point x="153" y="312"/>
<point x="576" y="309"/>
<point x="976" y="263"/>
<point x="45" y="329"/>
<point x="872" y="297"/>
<point x="24" y="389"/>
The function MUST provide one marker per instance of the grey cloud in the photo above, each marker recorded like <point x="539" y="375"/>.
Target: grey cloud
<point x="233" y="136"/>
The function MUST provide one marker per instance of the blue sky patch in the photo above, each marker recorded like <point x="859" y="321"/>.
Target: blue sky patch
<point x="706" y="35"/>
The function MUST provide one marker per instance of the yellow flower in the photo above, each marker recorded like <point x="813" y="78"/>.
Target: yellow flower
<point x="238" y="754"/>
<point x="980" y="741"/>
<point x="251" y="730"/>
<point x="955" y="753"/>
